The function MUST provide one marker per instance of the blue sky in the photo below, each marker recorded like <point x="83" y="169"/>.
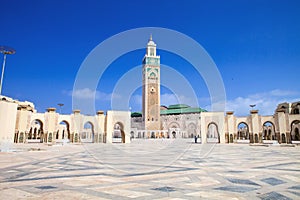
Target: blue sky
<point x="255" y="45"/>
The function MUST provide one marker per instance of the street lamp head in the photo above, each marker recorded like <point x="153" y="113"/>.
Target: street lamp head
<point x="7" y="50"/>
<point x="252" y="105"/>
<point x="4" y="50"/>
<point x="60" y="105"/>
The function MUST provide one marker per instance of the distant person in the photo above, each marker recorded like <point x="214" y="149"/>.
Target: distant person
<point x="196" y="139"/>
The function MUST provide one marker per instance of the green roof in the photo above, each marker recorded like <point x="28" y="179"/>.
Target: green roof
<point x="174" y="110"/>
<point x="178" y="106"/>
<point x="136" y="114"/>
<point x="184" y="110"/>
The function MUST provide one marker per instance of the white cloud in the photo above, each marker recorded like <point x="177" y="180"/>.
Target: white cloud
<point x="283" y="93"/>
<point x="265" y="102"/>
<point x="87" y="93"/>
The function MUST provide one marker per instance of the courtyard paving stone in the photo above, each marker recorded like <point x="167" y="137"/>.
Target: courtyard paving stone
<point x="149" y="169"/>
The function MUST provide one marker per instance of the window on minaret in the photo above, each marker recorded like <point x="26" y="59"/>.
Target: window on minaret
<point x="151" y="52"/>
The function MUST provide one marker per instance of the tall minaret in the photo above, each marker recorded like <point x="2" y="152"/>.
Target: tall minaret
<point x="151" y="88"/>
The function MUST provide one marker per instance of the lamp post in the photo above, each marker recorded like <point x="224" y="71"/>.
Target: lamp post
<point x="4" y="50"/>
<point x="60" y="105"/>
<point x="252" y="106"/>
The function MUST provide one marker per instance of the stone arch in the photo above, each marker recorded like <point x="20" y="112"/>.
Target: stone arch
<point x="213" y="135"/>
<point x="76" y="139"/>
<point x="173" y="125"/>
<point x="152" y="134"/>
<point x="283" y="107"/>
<point x="173" y="130"/>
<point x="64" y="130"/>
<point x="118" y="133"/>
<point x="296" y="111"/>
<point x="36" y="131"/>
<point x="50" y="137"/>
<point x="283" y="138"/>
<point x="192" y="130"/>
<point x="268" y="132"/>
<point x="21" y="137"/>
<point x="16" y="136"/>
<point x="173" y="134"/>
<point x="231" y="138"/>
<point x="87" y="135"/>
<point x="256" y="138"/>
<point x="297" y="137"/>
<point x="243" y="131"/>
<point x="295" y="129"/>
<point x="131" y="134"/>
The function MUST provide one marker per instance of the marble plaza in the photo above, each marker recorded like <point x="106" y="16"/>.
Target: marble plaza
<point x="150" y="169"/>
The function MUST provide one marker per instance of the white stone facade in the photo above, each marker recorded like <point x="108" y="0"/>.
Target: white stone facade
<point x="215" y="127"/>
<point x="20" y="123"/>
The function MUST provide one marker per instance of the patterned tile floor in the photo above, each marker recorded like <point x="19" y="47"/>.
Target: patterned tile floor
<point x="150" y="169"/>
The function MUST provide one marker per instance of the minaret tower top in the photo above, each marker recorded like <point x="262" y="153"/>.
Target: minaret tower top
<point x="151" y="48"/>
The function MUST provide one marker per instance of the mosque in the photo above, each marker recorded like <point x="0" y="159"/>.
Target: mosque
<point x="21" y="123"/>
<point x="183" y="121"/>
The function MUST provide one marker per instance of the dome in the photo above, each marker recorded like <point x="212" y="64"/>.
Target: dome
<point x="150" y="42"/>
